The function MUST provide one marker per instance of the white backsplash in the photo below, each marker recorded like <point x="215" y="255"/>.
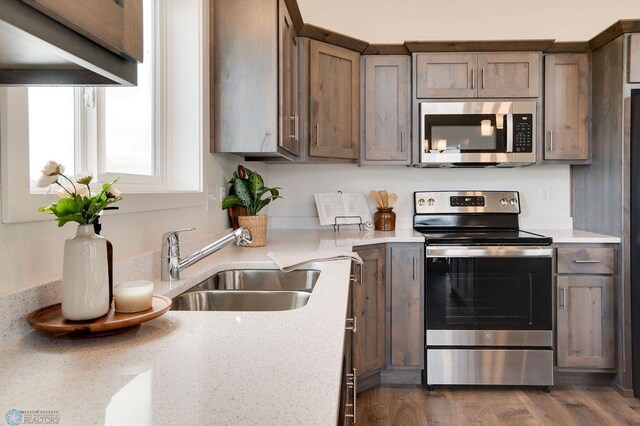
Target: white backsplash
<point x="299" y="182"/>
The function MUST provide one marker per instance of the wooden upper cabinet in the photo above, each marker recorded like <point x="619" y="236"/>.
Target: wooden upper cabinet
<point x="634" y="58"/>
<point x="334" y="101"/>
<point x="115" y="25"/>
<point x="289" y="138"/>
<point x="585" y="322"/>
<point x="387" y="110"/>
<point x="446" y="75"/>
<point x="566" y="107"/>
<point x="509" y="75"/>
<point x="369" y="312"/>
<point x="482" y="75"/>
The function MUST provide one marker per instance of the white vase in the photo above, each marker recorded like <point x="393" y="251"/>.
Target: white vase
<point x="85" y="276"/>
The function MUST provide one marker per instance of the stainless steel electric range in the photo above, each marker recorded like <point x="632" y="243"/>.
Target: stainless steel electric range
<point x="488" y="291"/>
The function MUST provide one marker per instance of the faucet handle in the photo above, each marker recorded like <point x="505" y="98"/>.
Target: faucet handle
<point x="171" y="237"/>
<point x="243" y="237"/>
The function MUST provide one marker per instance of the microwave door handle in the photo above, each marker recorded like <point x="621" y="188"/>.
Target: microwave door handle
<point x="510" y="132"/>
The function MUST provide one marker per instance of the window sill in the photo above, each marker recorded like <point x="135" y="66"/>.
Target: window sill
<point x="27" y="210"/>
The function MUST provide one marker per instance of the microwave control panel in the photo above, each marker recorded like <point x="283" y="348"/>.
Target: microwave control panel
<point x="522" y="133"/>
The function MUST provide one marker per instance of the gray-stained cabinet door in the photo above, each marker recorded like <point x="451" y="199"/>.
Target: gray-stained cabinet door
<point x="566" y="107"/>
<point x="585" y="321"/>
<point x="115" y="25"/>
<point x="334" y="101"/>
<point x="387" y="109"/>
<point x="509" y="75"/>
<point x="369" y="312"/>
<point x="406" y="325"/>
<point x="289" y="138"/>
<point x="446" y="75"/>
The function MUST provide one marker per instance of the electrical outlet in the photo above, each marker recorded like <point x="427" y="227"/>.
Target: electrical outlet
<point x="545" y="194"/>
<point x="211" y="197"/>
<point x="223" y="193"/>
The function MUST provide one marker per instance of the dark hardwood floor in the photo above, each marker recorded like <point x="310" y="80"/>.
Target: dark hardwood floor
<point x="565" y="405"/>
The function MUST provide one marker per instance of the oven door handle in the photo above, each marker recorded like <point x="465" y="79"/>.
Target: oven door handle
<point x="488" y="251"/>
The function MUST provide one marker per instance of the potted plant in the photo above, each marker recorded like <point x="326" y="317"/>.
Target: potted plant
<point x="248" y="191"/>
<point x="85" y="275"/>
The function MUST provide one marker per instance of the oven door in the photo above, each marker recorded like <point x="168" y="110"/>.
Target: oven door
<point x="488" y="288"/>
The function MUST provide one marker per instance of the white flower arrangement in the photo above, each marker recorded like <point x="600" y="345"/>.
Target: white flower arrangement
<point x="76" y="203"/>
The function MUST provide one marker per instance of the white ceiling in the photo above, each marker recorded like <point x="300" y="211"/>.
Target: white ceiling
<point x="395" y="21"/>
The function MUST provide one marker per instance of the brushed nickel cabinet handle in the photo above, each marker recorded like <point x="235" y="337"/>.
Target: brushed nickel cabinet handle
<point x="484" y="81"/>
<point x="401" y="141"/>
<point x="296" y="124"/>
<point x="354" y="387"/>
<point x="473" y="78"/>
<point x="550" y="132"/>
<point x="317" y="134"/>
<point x="587" y="261"/>
<point x="414" y="268"/>
<point x="354" y="327"/>
<point x="292" y="122"/>
<point x="563" y="298"/>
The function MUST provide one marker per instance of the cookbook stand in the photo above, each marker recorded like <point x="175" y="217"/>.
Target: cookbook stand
<point x="336" y="225"/>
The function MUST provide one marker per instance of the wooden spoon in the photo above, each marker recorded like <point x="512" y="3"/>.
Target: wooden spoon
<point x="375" y="197"/>
<point x="393" y="198"/>
<point x="385" y="198"/>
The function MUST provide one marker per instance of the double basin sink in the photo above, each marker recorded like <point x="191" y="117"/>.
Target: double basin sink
<point x="249" y="290"/>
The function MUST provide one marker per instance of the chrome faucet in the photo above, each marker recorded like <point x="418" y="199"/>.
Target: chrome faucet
<point x="170" y="263"/>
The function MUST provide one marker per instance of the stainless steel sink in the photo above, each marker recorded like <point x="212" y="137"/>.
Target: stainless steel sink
<point x="260" y="279"/>
<point x="249" y="290"/>
<point x="240" y="300"/>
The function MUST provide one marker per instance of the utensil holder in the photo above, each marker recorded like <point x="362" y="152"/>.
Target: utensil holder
<point x="384" y="219"/>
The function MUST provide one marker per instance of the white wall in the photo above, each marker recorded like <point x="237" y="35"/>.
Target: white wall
<point x="300" y="182"/>
<point x="396" y="21"/>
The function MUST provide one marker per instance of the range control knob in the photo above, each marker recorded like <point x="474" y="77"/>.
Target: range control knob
<point x="431" y="202"/>
<point x="504" y="202"/>
<point x="513" y="202"/>
<point x="421" y="202"/>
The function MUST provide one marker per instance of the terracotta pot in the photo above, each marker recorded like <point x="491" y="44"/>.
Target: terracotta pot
<point x="258" y="227"/>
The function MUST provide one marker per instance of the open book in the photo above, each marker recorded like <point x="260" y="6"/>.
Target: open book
<point x="335" y="208"/>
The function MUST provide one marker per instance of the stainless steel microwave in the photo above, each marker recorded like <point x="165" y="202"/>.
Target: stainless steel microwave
<point x="477" y="134"/>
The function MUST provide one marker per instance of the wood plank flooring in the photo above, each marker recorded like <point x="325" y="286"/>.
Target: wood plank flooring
<point x="565" y="406"/>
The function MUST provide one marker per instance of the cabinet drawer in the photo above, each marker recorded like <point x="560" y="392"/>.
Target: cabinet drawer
<point x="585" y="260"/>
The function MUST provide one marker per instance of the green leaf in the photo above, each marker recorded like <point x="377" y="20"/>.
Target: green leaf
<point x="262" y="204"/>
<point x="65" y="207"/>
<point x="242" y="191"/>
<point x="76" y="217"/>
<point x="256" y="184"/>
<point x="230" y="201"/>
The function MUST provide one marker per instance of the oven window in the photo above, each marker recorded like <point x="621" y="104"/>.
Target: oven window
<point x="465" y="133"/>
<point x="488" y="293"/>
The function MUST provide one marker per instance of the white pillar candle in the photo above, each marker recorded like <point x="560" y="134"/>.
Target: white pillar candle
<point x="133" y="296"/>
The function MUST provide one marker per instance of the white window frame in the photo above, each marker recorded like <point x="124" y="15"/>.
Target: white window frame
<point x="20" y="203"/>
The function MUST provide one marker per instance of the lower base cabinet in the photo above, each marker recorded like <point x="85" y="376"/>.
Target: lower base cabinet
<point x="388" y="302"/>
<point x="369" y="292"/>
<point x="585" y="315"/>
<point x="405" y="319"/>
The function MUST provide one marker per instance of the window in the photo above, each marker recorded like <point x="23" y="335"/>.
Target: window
<point x="151" y="135"/>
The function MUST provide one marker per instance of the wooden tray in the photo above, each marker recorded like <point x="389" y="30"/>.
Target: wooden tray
<point x="50" y="319"/>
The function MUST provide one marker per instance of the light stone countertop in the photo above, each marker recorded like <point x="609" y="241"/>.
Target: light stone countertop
<point x="231" y="368"/>
<point x="575" y="236"/>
